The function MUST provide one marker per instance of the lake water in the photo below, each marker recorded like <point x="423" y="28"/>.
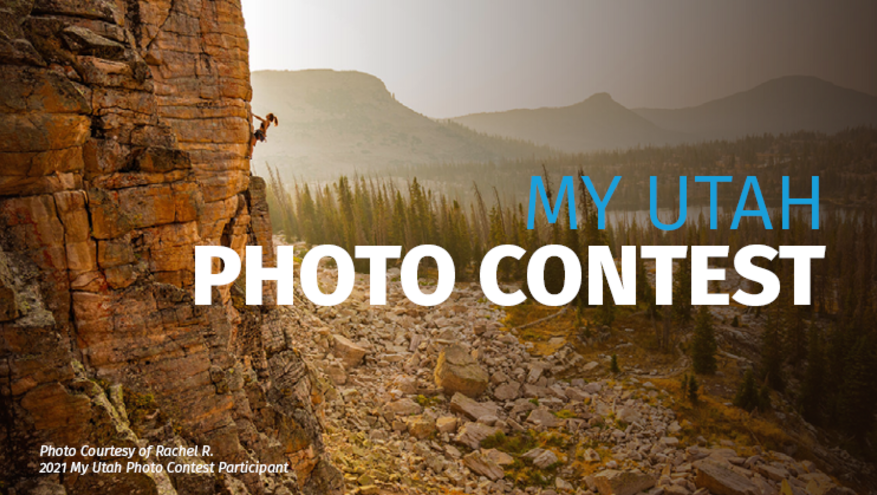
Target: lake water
<point x="697" y="213"/>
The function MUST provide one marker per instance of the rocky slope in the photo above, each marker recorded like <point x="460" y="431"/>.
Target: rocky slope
<point x="449" y="400"/>
<point x="123" y="131"/>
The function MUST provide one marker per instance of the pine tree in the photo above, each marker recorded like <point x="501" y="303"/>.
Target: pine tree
<point x="613" y="366"/>
<point x="693" y="387"/>
<point x="644" y="292"/>
<point x="497" y="234"/>
<point x="838" y="346"/>
<point x="764" y="398"/>
<point x="347" y="217"/>
<point x="747" y="397"/>
<point x="455" y="229"/>
<point x="643" y="288"/>
<point x="772" y="351"/>
<point x="606" y="311"/>
<point x="580" y="315"/>
<point x="307" y="209"/>
<point x="795" y="333"/>
<point x="398" y="222"/>
<point x="856" y="405"/>
<point x="667" y="329"/>
<point x="682" y="292"/>
<point x="813" y="388"/>
<point x="683" y="386"/>
<point x="703" y="345"/>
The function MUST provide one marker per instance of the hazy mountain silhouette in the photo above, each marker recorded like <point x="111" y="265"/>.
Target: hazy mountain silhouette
<point x="781" y="105"/>
<point x="336" y="121"/>
<point x="333" y="121"/>
<point x="594" y="124"/>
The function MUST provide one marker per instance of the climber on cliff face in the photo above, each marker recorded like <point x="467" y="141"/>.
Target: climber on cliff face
<point x="261" y="134"/>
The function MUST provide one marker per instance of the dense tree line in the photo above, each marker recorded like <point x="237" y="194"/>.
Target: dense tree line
<point x="844" y="161"/>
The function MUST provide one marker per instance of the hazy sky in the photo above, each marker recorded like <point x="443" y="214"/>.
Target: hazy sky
<point x="452" y="57"/>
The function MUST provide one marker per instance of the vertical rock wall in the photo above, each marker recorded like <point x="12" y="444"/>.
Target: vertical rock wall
<point x="123" y="130"/>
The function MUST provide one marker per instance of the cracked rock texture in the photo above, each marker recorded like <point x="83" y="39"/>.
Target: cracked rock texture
<point x="123" y="130"/>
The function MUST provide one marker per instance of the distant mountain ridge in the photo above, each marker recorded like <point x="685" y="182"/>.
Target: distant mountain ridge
<point x="598" y="122"/>
<point x="782" y="105"/>
<point x="341" y="121"/>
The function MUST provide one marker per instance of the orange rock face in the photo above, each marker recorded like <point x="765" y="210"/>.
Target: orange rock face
<point x="123" y="130"/>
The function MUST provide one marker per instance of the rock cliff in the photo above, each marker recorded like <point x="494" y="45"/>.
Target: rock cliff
<point x="123" y="134"/>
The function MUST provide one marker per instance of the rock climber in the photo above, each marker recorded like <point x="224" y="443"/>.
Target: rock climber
<point x="261" y="134"/>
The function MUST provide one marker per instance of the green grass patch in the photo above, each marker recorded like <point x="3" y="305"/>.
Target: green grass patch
<point x="565" y="414"/>
<point x="514" y="445"/>
<point x="425" y="401"/>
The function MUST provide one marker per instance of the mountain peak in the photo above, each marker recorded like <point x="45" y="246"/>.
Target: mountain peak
<point x="600" y="97"/>
<point x="599" y="122"/>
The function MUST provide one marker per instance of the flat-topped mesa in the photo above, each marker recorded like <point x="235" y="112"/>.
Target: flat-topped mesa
<point x="123" y="135"/>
